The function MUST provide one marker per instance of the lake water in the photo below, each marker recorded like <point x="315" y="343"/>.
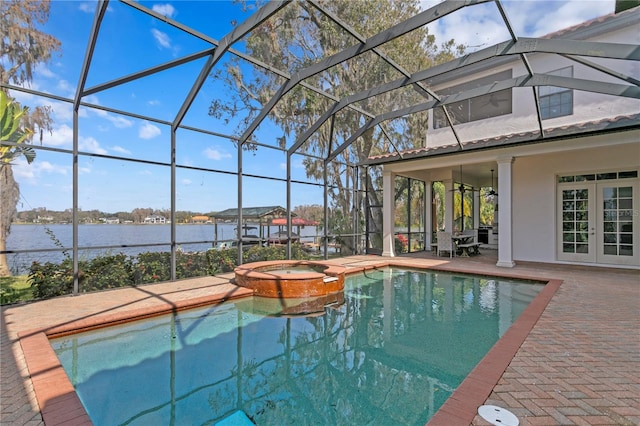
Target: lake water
<point x="190" y="237"/>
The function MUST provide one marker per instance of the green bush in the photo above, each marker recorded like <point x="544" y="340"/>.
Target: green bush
<point x="189" y="265"/>
<point x="113" y="271"/>
<point x="151" y="267"/>
<point x="51" y="279"/>
<point x="105" y="272"/>
<point x="8" y="295"/>
<point x="221" y="261"/>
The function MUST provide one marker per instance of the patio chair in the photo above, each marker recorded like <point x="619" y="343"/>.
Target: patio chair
<point x="445" y="243"/>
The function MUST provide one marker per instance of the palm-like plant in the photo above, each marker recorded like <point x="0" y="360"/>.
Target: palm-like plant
<point x="13" y="144"/>
<point x="11" y="114"/>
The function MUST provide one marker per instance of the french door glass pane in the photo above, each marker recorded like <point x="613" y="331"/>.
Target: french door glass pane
<point x="617" y="204"/>
<point x="575" y="221"/>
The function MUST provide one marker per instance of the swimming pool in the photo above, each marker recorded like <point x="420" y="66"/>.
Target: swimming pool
<point x="392" y="353"/>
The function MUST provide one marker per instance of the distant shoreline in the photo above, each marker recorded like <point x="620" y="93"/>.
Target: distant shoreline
<point x="265" y="224"/>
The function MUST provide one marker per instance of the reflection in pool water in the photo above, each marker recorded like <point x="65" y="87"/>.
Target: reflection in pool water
<point x="392" y="353"/>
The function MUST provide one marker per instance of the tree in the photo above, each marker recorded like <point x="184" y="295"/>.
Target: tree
<point x="299" y="36"/>
<point x="11" y="116"/>
<point x="23" y="48"/>
<point x="313" y="212"/>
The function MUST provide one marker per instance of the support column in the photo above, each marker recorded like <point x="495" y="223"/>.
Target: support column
<point x="428" y="214"/>
<point x="476" y="208"/>
<point x="448" y="205"/>
<point x="388" y="213"/>
<point x="505" y="236"/>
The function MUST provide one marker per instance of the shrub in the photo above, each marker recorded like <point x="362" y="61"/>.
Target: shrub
<point x="109" y="271"/>
<point x="190" y="265"/>
<point x="221" y="261"/>
<point x="401" y="244"/>
<point x="151" y="267"/>
<point x="51" y="279"/>
<point x="112" y="271"/>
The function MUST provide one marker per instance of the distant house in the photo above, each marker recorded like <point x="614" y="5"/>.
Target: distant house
<point x="154" y="218"/>
<point x="201" y="219"/>
<point x="110" y="220"/>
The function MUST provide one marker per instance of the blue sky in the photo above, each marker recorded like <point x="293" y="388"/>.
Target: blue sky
<point x="130" y="42"/>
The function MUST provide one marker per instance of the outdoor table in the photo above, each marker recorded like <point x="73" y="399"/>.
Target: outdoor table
<point x="460" y="239"/>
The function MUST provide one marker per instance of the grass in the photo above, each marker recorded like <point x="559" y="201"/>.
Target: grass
<point x="15" y="289"/>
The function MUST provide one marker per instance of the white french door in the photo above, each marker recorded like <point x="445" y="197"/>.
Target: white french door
<point x="599" y="222"/>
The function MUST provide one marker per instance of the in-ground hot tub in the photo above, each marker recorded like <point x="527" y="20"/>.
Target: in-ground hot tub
<point x="291" y="278"/>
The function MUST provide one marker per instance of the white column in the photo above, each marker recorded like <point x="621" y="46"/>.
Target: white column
<point x="388" y="212"/>
<point x="505" y="237"/>
<point x="428" y="214"/>
<point x="448" y="205"/>
<point x="476" y="208"/>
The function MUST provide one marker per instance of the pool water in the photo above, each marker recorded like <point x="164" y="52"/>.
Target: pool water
<point x="391" y="354"/>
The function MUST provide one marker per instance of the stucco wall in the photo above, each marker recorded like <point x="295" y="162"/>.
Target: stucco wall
<point x="534" y="200"/>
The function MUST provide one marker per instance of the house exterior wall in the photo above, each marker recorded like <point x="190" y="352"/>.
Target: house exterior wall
<point x="534" y="202"/>
<point x="594" y="138"/>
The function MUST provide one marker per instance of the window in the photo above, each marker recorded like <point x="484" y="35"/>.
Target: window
<point x="556" y="101"/>
<point x="478" y="108"/>
<point x="628" y="174"/>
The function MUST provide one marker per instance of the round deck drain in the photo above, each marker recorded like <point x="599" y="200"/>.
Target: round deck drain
<point x="498" y="416"/>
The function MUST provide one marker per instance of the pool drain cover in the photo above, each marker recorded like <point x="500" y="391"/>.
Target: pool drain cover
<point x="498" y="416"/>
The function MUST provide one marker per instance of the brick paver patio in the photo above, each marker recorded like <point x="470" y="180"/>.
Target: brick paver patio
<point x="579" y="364"/>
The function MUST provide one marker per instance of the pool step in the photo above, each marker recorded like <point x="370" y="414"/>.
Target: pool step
<point x="238" y="418"/>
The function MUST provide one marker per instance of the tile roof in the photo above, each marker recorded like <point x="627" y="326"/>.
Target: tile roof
<point x="580" y="129"/>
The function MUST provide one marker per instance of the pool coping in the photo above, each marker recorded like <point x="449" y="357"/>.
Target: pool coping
<point x="60" y="405"/>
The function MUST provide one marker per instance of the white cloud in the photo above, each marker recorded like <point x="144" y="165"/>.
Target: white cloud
<point x="61" y="137"/>
<point x="162" y="38"/>
<point x="62" y="111"/>
<point x="87" y="7"/>
<point x="66" y="87"/>
<point x="120" y="149"/>
<point x="564" y="15"/>
<point x="90" y="144"/>
<point x="481" y="25"/>
<point x="148" y="131"/>
<point x="294" y="165"/>
<point x="92" y="99"/>
<point x="25" y="172"/>
<point x="214" y="154"/>
<point x="118" y="121"/>
<point x="164" y="9"/>
<point x="42" y="70"/>
<point x="186" y="181"/>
